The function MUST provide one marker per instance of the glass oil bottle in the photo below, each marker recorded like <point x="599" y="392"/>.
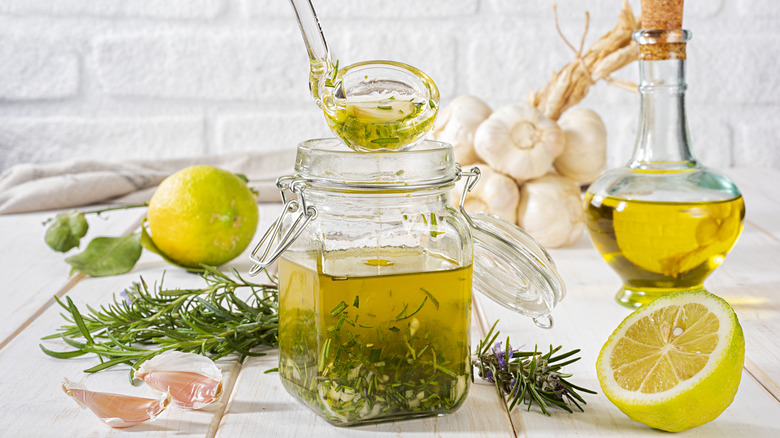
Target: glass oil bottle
<point x="663" y="222"/>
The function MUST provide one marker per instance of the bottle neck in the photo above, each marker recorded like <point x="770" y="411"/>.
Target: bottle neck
<point x="662" y="141"/>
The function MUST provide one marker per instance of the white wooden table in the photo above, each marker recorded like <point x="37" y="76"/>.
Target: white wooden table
<point x="33" y="405"/>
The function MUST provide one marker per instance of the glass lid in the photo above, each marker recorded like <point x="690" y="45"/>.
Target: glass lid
<point x="509" y="266"/>
<point x="512" y="269"/>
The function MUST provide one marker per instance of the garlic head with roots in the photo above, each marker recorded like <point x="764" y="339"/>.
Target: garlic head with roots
<point x="457" y="123"/>
<point x="550" y="210"/>
<point x="193" y="380"/>
<point x="116" y="410"/>
<point x="585" y="151"/>
<point x="519" y="142"/>
<point x="494" y="193"/>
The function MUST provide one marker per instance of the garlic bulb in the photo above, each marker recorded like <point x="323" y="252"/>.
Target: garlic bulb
<point x="194" y="381"/>
<point x="585" y="151"/>
<point x="550" y="210"/>
<point x="519" y="142"/>
<point x="494" y="193"/>
<point x="116" y="410"/>
<point x="457" y="123"/>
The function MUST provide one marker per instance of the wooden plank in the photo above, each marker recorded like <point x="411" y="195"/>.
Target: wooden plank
<point x="762" y="202"/>
<point x="749" y="280"/>
<point x="33" y="402"/>
<point x="32" y="379"/>
<point x="33" y="272"/>
<point x="584" y="320"/>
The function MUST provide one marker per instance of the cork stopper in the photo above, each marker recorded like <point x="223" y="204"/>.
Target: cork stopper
<point x="662" y="14"/>
<point x="659" y="16"/>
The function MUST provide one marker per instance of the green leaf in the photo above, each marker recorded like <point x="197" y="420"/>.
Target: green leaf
<point x="66" y="231"/>
<point x="108" y="256"/>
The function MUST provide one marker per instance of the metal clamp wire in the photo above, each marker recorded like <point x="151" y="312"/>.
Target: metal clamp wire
<point x="307" y="214"/>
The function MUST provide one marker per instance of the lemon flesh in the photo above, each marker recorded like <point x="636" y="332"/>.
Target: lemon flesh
<point x="676" y="363"/>
<point x="202" y="215"/>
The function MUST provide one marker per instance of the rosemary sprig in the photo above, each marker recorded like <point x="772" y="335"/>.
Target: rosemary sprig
<point x="529" y="377"/>
<point x="143" y="322"/>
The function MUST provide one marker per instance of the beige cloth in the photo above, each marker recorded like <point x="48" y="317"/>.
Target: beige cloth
<point x="35" y="187"/>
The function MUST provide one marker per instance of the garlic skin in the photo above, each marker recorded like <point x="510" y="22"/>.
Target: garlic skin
<point x="495" y="193"/>
<point x="457" y="123"/>
<point x="519" y="142"/>
<point x="193" y="380"/>
<point x="116" y="410"/>
<point x="585" y="151"/>
<point x="550" y="210"/>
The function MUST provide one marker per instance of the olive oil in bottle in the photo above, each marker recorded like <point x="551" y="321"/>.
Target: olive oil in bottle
<point x="664" y="221"/>
<point x="660" y="247"/>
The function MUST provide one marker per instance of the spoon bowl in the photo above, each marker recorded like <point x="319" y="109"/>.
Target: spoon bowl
<point x="379" y="105"/>
<point x="371" y="105"/>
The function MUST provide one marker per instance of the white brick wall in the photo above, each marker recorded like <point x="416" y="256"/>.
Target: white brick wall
<point x="114" y="79"/>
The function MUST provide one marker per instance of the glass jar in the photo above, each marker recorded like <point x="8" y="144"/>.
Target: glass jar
<point x="663" y="222"/>
<point x="375" y="281"/>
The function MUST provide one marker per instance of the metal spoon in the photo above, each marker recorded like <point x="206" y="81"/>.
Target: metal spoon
<point x="370" y="105"/>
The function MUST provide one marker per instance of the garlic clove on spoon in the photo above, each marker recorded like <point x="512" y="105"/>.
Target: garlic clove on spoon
<point x="116" y="410"/>
<point x="193" y="380"/>
<point x="386" y="110"/>
<point x="457" y="123"/>
<point x="519" y="142"/>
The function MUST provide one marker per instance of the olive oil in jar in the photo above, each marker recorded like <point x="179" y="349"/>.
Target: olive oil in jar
<point x="389" y="341"/>
<point x="662" y="247"/>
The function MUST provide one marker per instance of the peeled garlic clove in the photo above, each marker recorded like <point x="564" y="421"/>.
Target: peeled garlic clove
<point x="384" y="111"/>
<point x="116" y="410"/>
<point x="194" y="381"/>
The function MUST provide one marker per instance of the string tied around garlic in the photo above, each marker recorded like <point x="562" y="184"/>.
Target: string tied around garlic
<point x="611" y="52"/>
<point x="577" y="52"/>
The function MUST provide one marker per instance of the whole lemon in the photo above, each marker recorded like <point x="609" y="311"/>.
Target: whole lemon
<point x="202" y="215"/>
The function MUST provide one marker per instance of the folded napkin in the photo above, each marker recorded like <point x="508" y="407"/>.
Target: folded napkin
<point x="34" y="187"/>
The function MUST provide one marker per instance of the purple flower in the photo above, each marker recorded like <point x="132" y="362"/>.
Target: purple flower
<point x="126" y="298"/>
<point x="499" y="353"/>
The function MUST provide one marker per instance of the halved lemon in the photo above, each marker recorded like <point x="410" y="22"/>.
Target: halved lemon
<point x="675" y="363"/>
